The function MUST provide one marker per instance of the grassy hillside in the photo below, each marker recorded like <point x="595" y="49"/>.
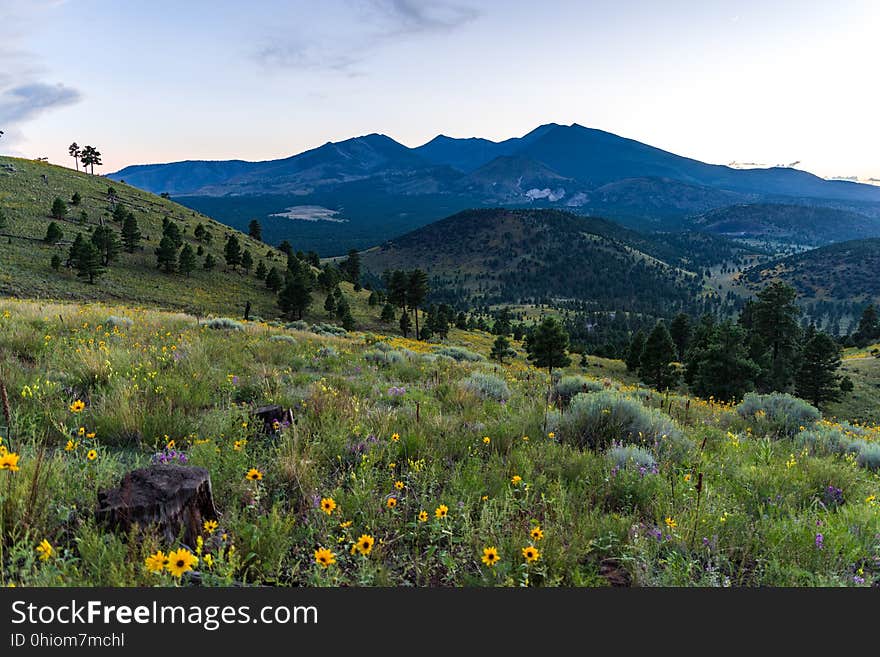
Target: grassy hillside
<point x="431" y="456"/>
<point x="845" y="272"/>
<point x="516" y="256"/>
<point x="26" y="198"/>
<point x="795" y="224"/>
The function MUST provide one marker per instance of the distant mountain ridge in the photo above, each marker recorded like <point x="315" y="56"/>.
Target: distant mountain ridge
<point x="591" y="157"/>
<point x="382" y="188"/>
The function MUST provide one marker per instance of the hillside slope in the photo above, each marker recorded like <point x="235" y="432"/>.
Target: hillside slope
<point x="846" y="271"/>
<point x="27" y="190"/>
<point x="796" y="224"/>
<point x="534" y="256"/>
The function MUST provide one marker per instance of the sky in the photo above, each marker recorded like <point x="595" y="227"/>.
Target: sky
<point x="752" y="81"/>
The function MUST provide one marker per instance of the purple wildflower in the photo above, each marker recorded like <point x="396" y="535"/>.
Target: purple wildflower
<point x="820" y="541"/>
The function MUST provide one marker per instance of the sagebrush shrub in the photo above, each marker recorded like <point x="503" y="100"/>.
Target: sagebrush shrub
<point x="298" y="325"/>
<point x="778" y="414"/>
<point x="383" y="356"/>
<point x="487" y="386"/>
<point x="460" y="354"/>
<point x="283" y="338"/>
<point x="224" y="323"/>
<point x="568" y="386"/>
<point x="842" y="439"/>
<point x="623" y="456"/>
<point x="121" y="322"/>
<point x="597" y="420"/>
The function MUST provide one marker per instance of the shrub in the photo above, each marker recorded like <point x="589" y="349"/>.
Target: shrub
<point x="383" y="357"/>
<point x="121" y="322"/>
<point x="326" y="352"/>
<point x="460" y="354"/>
<point x="224" y="323"/>
<point x="328" y="329"/>
<point x="298" y="325"/>
<point x="842" y="439"/>
<point x="568" y="386"/>
<point x="487" y="386"/>
<point x="599" y="419"/>
<point x="623" y="456"/>
<point x="778" y="414"/>
<point x="289" y="339"/>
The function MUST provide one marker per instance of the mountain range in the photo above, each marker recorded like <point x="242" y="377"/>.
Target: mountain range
<point x="380" y="188"/>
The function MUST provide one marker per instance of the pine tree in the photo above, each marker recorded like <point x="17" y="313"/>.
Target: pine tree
<point x="232" y="252"/>
<point x="417" y="292"/>
<point x="76" y="199"/>
<point x="634" y="353"/>
<point x="655" y="365"/>
<point x="296" y="296"/>
<point x="547" y="345"/>
<point x="285" y="248"/>
<point x="373" y="299"/>
<point x="680" y="330"/>
<point x="776" y="336"/>
<point x="501" y="349"/>
<point x="869" y="327"/>
<point x="171" y="230"/>
<point x="461" y="321"/>
<point x="351" y="267"/>
<point x="87" y="261"/>
<point x="330" y="304"/>
<point x="56" y="262"/>
<point x="397" y="283"/>
<point x="405" y="323"/>
<point x="261" y="271"/>
<point x="131" y="234"/>
<point x="387" y="313"/>
<point x="199" y="232"/>
<point x="53" y="233"/>
<point x="107" y="242"/>
<point x="186" y="262"/>
<point x="255" y="230"/>
<point x="210" y="262"/>
<point x="247" y="261"/>
<point x="274" y="281"/>
<point x="166" y="255"/>
<point x="817" y="380"/>
<point x="59" y="208"/>
<point x="719" y="365"/>
<point x="501" y="325"/>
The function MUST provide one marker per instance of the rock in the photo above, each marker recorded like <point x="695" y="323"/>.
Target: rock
<point x="614" y="573"/>
<point x="174" y="499"/>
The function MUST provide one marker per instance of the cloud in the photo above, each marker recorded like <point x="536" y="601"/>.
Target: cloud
<point x="375" y="24"/>
<point x="24" y="93"/>
<point x="27" y="101"/>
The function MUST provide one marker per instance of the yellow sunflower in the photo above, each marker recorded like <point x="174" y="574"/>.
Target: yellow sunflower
<point x="537" y="533"/>
<point x="9" y="461"/>
<point x="490" y="556"/>
<point x="92" y="455"/>
<point x="531" y="554"/>
<point x="156" y="563"/>
<point x="210" y="526"/>
<point x="364" y="544"/>
<point x="324" y="557"/>
<point x="399" y="485"/>
<point x="328" y="505"/>
<point x="254" y="475"/>
<point x="78" y="406"/>
<point x="441" y="511"/>
<point x="181" y="561"/>
<point x="45" y="549"/>
<point x="391" y="502"/>
<point x="423" y="516"/>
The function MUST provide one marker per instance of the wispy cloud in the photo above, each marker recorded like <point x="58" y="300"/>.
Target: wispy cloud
<point x="24" y="92"/>
<point x="376" y="24"/>
<point x="27" y="101"/>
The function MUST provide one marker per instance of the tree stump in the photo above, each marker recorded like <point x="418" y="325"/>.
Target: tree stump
<point x="174" y="499"/>
<point x="268" y="415"/>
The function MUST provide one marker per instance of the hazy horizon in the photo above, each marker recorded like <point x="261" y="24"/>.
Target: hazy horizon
<point x="767" y="83"/>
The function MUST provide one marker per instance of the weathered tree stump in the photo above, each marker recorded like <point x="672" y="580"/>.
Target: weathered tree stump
<point x="171" y="498"/>
<point x="268" y="415"/>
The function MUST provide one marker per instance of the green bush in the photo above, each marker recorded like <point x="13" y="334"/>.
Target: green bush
<point x="224" y="323"/>
<point x="121" y="322"/>
<point x="384" y="356"/>
<point x="568" y="386"/>
<point x="623" y="456"/>
<point x="597" y="420"/>
<point x="842" y="439"/>
<point x="460" y="354"/>
<point x="777" y="414"/>
<point x="289" y="339"/>
<point x="486" y="386"/>
<point x="298" y="325"/>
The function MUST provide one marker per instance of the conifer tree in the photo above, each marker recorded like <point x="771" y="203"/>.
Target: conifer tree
<point x="186" y="262"/>
<point x="255" y="230"/>
<point x="59" y="208"/>
<point x="261" y="271"/>
<point x="405" y="323"/>
<point x="274" y="281"/>
<point x="210" y="262"/>
<point x="817" y="380"/>
<point x="53" y="233"/>
<point x="232" y="252"/>
<point x="131" y="234"/>
<point x="166" y="255"/>
<point x="655" y="365"/>
<point x="107" y="242"/>
<point x="547" y="345"/>
<point x="634" y="353"/>
<point x="501" y="349"/>
<point x="247" y="261"/>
